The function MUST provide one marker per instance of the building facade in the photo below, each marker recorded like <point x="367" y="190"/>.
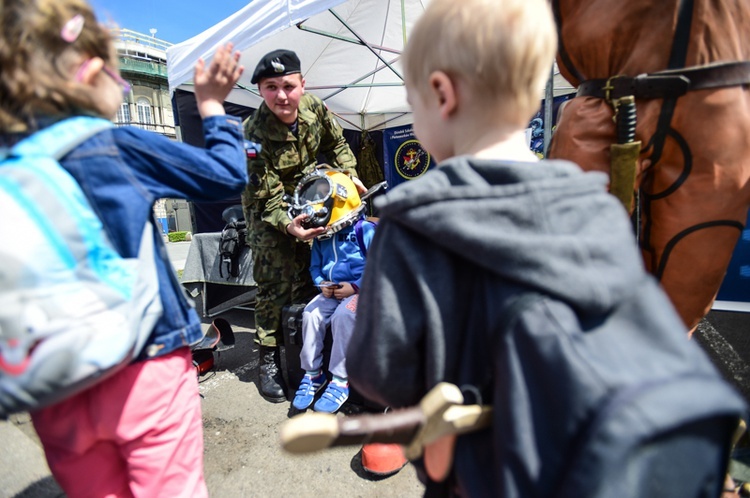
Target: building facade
<point x="143" y="63"/>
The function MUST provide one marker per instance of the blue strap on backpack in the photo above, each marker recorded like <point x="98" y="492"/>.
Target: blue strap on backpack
<point x="72" y="310"/>
<point x="359" y="232"/>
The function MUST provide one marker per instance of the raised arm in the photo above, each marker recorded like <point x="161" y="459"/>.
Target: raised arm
<point x="212" y="85"/>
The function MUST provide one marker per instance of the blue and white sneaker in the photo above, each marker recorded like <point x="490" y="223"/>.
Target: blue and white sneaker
<point x="333" y="398"/>
<point x="308" y="388"/>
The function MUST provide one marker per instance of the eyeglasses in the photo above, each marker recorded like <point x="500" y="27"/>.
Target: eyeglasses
<point x="112" y="74"/>
<point x="118" y="79"/>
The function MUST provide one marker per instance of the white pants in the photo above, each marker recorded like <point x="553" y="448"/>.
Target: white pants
<point x="318" y="314"/>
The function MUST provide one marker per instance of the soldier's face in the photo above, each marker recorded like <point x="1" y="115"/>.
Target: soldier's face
<point x="282" y="95"/>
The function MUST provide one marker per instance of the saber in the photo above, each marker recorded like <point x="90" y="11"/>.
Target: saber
<point x="440" y="413"/>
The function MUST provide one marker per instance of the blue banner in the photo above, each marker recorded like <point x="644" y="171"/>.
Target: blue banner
<point x="403" y="156"/>
<point x="734" y="293"/>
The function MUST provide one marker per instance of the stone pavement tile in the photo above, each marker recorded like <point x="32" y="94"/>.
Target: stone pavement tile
<point x="25" y="472"/>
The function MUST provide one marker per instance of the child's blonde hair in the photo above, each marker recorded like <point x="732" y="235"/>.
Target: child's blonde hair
<point x="36" y="62"/>
<point x="502" y="50"/>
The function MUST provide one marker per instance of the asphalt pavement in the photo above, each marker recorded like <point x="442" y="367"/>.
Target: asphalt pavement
<point x="243" y="456"/>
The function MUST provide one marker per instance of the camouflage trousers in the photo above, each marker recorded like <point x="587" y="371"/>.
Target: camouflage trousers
<point x="281" y="270"/>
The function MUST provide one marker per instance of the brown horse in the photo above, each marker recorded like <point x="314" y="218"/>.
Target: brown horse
<point x="693" y="169"/>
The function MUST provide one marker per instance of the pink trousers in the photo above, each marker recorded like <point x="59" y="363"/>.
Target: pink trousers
<point x="137" y="434"/>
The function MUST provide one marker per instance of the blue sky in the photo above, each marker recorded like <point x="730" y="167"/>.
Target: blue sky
<point x="175" y="20"/>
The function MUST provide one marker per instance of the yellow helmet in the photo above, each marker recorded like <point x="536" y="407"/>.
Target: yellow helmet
<point x="329" y="198"/>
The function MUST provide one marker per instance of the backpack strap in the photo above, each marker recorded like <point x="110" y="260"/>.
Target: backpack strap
<point x="510" y="303"/>
<point x="49" y="188"/>
<point x="60" y="138"/>
<point x="510" y="309"/>
<point x="359" y="232"/>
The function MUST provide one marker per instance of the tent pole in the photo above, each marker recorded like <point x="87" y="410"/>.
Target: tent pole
<point x="403" y="20"/>
<point x="548" y="97"/>
<point x="341" y="89"/>
<point x="351" y="85"/>
<point x="385" y="122"/>
<point x="365" y="43"/>
<point x="334" y="36"/>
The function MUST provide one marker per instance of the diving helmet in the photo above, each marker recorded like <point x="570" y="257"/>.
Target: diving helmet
<point x="329" y="198"/>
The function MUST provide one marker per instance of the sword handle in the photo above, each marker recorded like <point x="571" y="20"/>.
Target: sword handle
<point x="317" y="431"/>
<point x="626" y="120"/>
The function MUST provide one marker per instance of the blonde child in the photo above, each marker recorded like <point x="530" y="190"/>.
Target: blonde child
<point x="492" y="223"/>
<point x="139" y="432"/>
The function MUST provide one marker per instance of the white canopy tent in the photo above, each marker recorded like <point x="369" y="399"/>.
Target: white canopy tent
<point x="350" y="53"/>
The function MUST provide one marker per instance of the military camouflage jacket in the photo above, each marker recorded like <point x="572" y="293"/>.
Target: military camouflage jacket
<point x="285" y="158"/>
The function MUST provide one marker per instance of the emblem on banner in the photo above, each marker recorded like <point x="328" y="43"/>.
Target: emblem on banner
<point x="411" y="160"/>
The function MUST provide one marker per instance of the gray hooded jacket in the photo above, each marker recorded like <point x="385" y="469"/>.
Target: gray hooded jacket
<point x="544" y="226"/>
<point x="450" y="250"/>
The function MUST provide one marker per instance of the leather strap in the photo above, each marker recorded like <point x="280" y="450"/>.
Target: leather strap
<point x="561" y="50"/>
<point x="669" y="84"/>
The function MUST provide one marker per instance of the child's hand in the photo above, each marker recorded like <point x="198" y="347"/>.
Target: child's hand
<point x="345" y="290"/>
<point x="213" y="85"/>
<point x="327" y="288"/>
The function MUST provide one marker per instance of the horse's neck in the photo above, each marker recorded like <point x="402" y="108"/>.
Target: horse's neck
<point x="609" y="37"/>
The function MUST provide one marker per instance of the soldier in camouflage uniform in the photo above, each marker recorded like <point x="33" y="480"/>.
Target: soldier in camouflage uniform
<point x="292" y="128"/>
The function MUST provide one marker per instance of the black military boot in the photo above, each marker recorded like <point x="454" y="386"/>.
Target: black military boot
<point x="271" y="381"/>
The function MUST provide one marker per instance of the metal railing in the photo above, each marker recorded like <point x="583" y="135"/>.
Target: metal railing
<point x="142" y="66"/>
<point x="128" y="36"/>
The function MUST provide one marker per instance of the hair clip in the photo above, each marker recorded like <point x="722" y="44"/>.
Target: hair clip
<point x="72" y="29"/>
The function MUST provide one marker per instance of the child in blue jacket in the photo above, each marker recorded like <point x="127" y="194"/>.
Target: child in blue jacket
<point x="336" y="267"/>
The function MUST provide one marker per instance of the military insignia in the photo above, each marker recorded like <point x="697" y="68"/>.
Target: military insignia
<point x="411" y="160"/>
<point x="251" y="149"/>
<point x="277" y="66"/>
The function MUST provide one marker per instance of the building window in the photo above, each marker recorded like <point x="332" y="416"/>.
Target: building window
<point x="123" y="114"/>
<point x="145" y="116"/>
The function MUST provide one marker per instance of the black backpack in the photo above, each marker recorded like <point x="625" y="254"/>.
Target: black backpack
<point x="232" y="242"/>
<point x="596" y="406"/>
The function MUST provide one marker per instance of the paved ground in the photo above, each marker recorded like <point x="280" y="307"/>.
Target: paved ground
<point x="243" y="457"/>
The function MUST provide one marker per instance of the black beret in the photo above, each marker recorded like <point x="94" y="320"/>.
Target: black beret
<point x="277" y="63"/>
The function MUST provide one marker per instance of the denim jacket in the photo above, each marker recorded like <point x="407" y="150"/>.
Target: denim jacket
<point x="123" y="171"/>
